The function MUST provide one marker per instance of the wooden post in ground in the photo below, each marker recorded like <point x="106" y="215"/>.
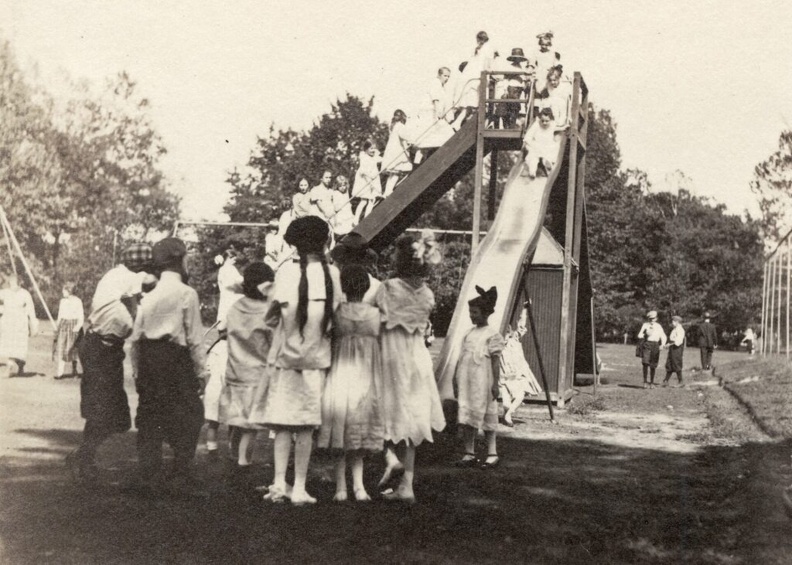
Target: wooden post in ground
<point x="764" y="306"/>
<point x="482" y="123"/>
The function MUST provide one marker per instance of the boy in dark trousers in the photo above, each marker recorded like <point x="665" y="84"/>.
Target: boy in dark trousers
<point x="168" y="360"/>
<point x="708" y="341"/>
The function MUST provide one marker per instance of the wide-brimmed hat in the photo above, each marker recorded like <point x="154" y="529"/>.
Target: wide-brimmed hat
<point x="517" y="55"/>
<point x="353" y="249"/>
<point x="307" y="232"/>
<point x="652" y="314"/>
<point x="547" y="34"/>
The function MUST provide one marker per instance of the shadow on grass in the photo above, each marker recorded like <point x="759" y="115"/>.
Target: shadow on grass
<point x="562" y="501"/>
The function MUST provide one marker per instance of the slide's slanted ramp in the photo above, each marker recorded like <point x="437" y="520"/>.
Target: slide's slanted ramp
<point x="499" y="259"/>
<point x="422" y="188"/>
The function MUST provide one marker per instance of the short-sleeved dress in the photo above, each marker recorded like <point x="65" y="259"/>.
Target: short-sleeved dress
<point x="350" y="405"/>
<point x="477" y="407"/>
<point x="70" y="320"/>
<point x="292" y="394"/>
<point x="249" y="340"/>
<point x="411" y="406"/>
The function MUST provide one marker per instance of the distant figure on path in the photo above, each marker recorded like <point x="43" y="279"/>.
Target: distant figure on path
<point x="367" y="185"/>
<point x="17" y="324"/>
<point x="749" y="340"/>
<point x="676" y="350"/>
<point x="708" y="342"/>
<point x="652" y="338"/>
<point x="70" y="321"/>
<point x="319" y="198"/>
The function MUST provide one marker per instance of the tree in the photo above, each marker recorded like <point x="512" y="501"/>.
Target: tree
<point x="80" y="175"/>
<point x="772" y="183"/>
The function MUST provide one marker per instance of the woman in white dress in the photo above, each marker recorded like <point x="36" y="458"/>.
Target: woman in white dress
<point x="17" y="323"/>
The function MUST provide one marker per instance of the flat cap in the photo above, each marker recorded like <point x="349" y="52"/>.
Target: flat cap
<point x="136" y="255"/>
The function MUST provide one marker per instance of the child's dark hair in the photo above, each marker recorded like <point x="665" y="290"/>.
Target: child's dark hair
<point x="547" y="112"/>
<point x="406" y="264"/>
<point x="354" y="282"/>
<point x="309" y="235"/>
<point x="255" y="274"/>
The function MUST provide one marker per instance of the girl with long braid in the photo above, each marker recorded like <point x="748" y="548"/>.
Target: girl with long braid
<point x="303" y="299"/>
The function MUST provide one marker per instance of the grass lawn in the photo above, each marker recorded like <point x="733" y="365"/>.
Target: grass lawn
<point x="628" y="476"/>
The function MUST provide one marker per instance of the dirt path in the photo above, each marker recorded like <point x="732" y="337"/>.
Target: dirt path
<point x="632" y="476"/>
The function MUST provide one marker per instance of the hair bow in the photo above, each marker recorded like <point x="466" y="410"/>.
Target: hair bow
<point x="425" y="248"/>
<point x="265" y="287"/>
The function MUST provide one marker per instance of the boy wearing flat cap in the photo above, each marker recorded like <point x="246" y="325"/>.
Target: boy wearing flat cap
<point x="168" y="360"/>
<point x="103" y="401"/>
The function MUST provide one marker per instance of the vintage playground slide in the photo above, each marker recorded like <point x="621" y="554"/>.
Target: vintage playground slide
<point x="498" y="261"/>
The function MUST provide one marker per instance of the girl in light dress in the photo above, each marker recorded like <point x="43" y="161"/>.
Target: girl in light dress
<point x="301" y="206"/>
<point x="350" y="406"/>
<point x="540" y="145"/>
<point x="343" y="220"/>
<point x="229" y="283"/>
<point x="516" y="377"/>
<point x="289" y="401"/>
<point x="70" y="320"/>
<point x="367" y="180"/>
<point x="396" y="159"/>
<point x="411" y="407"/>
<point x="249" y="339"/>
<point x="477" y="378"/>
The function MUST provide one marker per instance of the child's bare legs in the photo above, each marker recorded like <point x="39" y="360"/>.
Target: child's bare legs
<point x="392" y="463"/>
<point x="211" y="436"/>
<point x="357" y="478"/>
<point x="492" y="446"/>
<point x="513" y="405"/>
<point x="281" y="448"/>
<point x="340" y="478"/>
<point x="302" y="457"/>
<point x="405" y="490"/>
<point x="469" y="435"/>
<point x="390" y="184"/>
<point x="246" y="441"/>
<point x="531" y="164"/>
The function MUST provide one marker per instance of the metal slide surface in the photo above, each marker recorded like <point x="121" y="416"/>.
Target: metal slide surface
<point x="498" y="260"/>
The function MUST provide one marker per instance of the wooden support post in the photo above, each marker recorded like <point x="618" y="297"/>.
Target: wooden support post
<point x="479" y="171"/>
<point x="763" y="325"/>
<point x="789" y="268"/>
<point x="779" y="269"/>
<point x="493" y="185"/>
<point x="539" y="355"/>
<point x="566" y="365"/>
<point x="10" y="251"/>
<point x="770" y="312"/>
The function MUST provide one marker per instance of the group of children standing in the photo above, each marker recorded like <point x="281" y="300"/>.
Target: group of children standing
<point x="327" y="347"/>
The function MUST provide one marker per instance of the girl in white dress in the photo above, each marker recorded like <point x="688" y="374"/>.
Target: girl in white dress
<point x="367" y="181"/>
<point x="477" y="378"/>
<point x="350" y="405"/>
<point x="303" y="299"/>
<point x="70" y="321"/>
<point x="540" y="145"/>
<point x="411" y="407"/>
<point x="249" y="339"/>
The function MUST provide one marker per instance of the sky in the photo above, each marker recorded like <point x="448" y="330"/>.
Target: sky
<point x="699" y="86"/>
